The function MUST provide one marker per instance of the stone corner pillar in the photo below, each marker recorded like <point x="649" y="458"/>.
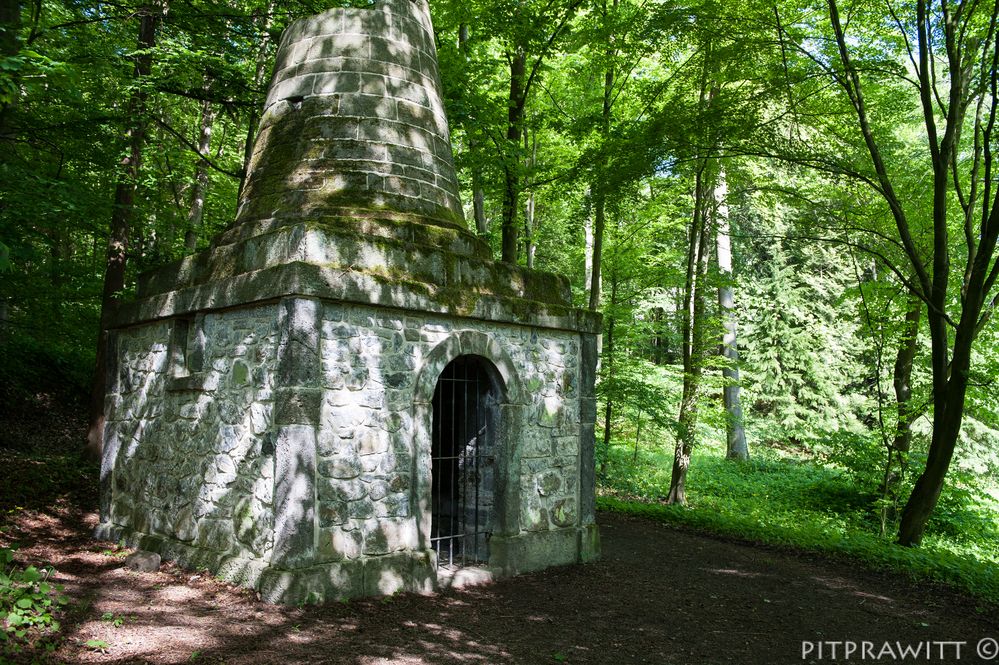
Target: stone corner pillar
<point x="297" y="408"/>
<point x="589" y="353"/>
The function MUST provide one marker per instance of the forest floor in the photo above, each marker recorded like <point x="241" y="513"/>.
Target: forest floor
<point x="658" y="595"/>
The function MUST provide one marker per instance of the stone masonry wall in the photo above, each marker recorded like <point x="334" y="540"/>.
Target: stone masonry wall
<point x="367" y="472"/>
<point x="191" y="433"/>
<point x="187" y="433"/>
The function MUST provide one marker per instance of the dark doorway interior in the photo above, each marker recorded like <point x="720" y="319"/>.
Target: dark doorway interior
<point x="463" y="463"/>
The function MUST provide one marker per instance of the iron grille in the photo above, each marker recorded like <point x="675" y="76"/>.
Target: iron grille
<point x="462" y="465"/>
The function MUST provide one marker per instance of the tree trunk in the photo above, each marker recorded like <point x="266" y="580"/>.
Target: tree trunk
<point x="599" y="188"/>
<point x="121" y="218"/>
<point x="950" y="390"/>
<point x="736" y="447"/>
<point x="961" y="72"/>
<point x="588" y="247"/>
<point x="529" y="230"/>
<point x="638" y="438"/>
<point x="693" y="338"/>
<point x="515" y="124"/>
<point x="10" y="26"/>
<point x="902" y="377"/>
<point x="694" y="291"/>
<point x="599" y="224"/>
<point x="478" y="200"/>
<point x="259" y="78"/>
<point x="608" y="360"/>
<point x="898" y="451"/>
<point x="520" y="88"/>
<point x="200" y="183"/>
<point x="950" y="375"/>
<point x="478" y="195"/>
<point x="531" y="149"/>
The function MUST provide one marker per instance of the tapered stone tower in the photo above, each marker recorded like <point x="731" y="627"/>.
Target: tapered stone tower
<point x="344" y="395"/>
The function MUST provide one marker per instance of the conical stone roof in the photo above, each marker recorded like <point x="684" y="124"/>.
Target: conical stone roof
<point x="354" y="121"/>
<point x="351" y="194"/>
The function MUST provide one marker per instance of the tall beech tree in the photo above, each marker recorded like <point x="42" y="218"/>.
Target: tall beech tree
<point x="693" y="315"/>
<point x="608" y="13"/>
<point x="526" y="51"/>
<point x="735" y="429"/>
<point x="953" y="52"/>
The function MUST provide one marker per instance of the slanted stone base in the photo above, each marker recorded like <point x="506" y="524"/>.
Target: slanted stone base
<point x="589" y="543"/>
<point x="412" y="572"/>
<point x="460" y="578"/>
<point x="528" y="552"/>
<point x="231" y="567"/>
<point x="370" y="576"/>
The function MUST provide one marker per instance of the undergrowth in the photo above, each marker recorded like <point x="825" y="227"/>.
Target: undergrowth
<point x="29" y="606"/>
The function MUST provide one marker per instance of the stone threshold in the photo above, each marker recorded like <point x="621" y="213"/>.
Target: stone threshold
<point x="460" y="577"/>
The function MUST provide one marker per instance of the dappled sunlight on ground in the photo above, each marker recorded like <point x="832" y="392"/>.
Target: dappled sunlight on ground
<point x="730" y="571"/>
<point x="658" y="596"/>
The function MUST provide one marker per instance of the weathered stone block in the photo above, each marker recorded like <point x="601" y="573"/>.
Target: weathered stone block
<point x="297" y="406"/>
<point x="298" y="351"/>
<point x="373" y="442"/>
<point x="333" y="513"/>
<point x="343" y="46"/>
<point x="340" y="468"/>
<point x="143" y="562"/>
<point x="294" y="496"/>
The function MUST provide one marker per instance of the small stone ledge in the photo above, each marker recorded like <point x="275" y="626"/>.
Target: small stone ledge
<point x="407" y="226"/>
<point x="589" y="543"/>
<point x="461" y="578"/>
<point x="424" y="255"/>
<point x="201" y="382"/>
<point x="370" y="576"/>
<point x="411" y="572"/>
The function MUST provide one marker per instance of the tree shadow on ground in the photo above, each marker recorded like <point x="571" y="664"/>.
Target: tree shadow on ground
<point x="658" y="596"/>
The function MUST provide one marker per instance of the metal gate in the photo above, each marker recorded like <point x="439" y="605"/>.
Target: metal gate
<point x="463" y="464"/>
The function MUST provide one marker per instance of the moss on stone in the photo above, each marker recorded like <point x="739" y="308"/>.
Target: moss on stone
<point x="459" y="299"/>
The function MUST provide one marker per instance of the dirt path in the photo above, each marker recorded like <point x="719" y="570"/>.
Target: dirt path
<point x="658" y="596"/>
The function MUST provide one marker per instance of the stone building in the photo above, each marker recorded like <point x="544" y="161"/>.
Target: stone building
<point x="344" y="395"/>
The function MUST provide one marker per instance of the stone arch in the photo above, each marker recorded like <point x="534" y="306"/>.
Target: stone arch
<point x="469" y="343"/>
<point x="509" y="415"/>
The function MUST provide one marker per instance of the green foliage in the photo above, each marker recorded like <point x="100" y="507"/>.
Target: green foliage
<point x="97" y="645"/>
<point x="803" y="350"/>
<point x="115" y="620"/>
<point x="29" y="604"/>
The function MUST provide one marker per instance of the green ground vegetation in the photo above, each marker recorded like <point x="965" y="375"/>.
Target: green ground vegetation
<point x="806" y="498"/>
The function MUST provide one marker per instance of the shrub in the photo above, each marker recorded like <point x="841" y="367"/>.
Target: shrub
<point x="28" y="604"/>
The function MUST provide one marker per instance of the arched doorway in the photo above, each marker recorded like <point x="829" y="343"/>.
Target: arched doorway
<point x="463" y="462"/>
